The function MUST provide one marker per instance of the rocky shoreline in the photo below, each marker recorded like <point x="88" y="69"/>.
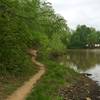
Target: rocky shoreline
<point x="83" y="89"/>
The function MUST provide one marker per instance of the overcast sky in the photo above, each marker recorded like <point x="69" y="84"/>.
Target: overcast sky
<point x="79" y="12"/>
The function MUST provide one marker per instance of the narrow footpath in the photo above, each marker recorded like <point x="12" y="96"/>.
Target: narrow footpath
<point x="22" y="92"/>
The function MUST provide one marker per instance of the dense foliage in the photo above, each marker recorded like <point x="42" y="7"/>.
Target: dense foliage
<point x="25" y="24"/>
<point x="85" y="37"/>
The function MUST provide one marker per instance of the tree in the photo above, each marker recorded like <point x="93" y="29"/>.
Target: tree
<point x="25" y="24"/>
<point x="92" y="38"/>
<point x="98" y="37"/>
<point x="80" y="37"/>
<point x="15" y="37"/>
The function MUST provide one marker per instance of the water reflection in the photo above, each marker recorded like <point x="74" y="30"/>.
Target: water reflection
<point x="95" y="73"/>
<point x="84" y="61"/>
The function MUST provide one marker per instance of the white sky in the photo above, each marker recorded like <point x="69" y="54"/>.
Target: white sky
<point x="79" y="12"/>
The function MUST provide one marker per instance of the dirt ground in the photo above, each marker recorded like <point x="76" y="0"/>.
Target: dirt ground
<point x="22" y="92"/>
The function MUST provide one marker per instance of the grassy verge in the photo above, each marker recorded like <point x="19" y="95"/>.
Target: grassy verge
<point x="9" y="83"/>
<point x="56" y="76"/>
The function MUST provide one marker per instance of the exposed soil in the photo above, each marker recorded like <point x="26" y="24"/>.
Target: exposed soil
<point x="22" y="92"/>
<point x="83" y="89"/>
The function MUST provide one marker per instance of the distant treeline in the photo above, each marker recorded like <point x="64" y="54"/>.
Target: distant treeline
<point x="85" y="37"/>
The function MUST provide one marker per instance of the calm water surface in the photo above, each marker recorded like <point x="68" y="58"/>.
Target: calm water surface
<point x="84" y="61"/>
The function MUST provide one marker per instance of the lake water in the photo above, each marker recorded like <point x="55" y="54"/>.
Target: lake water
<point x="84" y="61"/>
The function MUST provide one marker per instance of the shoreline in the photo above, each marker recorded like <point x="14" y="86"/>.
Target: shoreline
<point x="84" y="89"/>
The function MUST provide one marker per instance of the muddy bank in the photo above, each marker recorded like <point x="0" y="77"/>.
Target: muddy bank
<point x="83" y="89"/>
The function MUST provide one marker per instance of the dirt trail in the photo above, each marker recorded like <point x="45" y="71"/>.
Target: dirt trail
<point x="22" y="92"/>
